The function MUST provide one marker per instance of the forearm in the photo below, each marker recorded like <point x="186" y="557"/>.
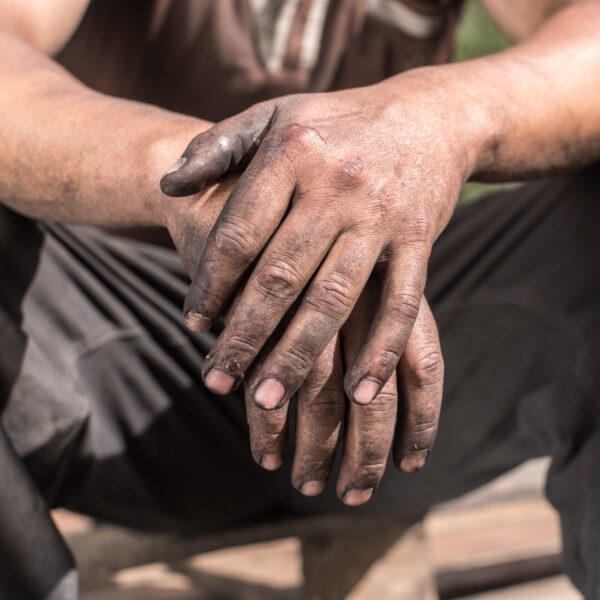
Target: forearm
<point x="527" y="111"/>
<point x="71" y="154"/>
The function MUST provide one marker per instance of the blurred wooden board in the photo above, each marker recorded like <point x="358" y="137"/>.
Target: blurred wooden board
<point x="507" y="522"/>
<point x="555" y="588"/>
<point x="483" y="535"/>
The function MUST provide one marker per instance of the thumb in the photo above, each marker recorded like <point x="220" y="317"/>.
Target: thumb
<point x="226" y="147"/>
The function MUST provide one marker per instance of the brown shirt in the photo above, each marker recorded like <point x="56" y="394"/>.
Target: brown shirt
<point x="213" y="58"/>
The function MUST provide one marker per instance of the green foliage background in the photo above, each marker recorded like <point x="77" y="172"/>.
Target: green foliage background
<point x="477" y="36"/>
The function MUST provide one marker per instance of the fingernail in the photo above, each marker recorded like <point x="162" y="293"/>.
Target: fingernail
<point x="312" y="488"/>
<point x="176" y="166"/>
<point x="271" y="462"/>
<point x="197" y="321"/>
<point x="365" y="391"/>
<point x="269" y="394"/>
<point x="219" y="381"/>
<point x="356" y="497"/>
<point x="414" y="462"/>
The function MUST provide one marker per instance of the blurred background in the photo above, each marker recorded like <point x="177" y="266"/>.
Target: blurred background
<point x="477" y="36"/>
<point x="499" y="543"/>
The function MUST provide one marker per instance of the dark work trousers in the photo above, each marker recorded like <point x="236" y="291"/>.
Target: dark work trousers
<point x="104" y="411"/>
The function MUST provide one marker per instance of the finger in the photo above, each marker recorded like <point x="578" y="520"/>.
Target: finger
<point x="268" y="434"/>
<point x="251" y="214"/>
<point x="320" y="410"/>
<point x="249" y="218"/>
<point x="421" y="372"/>
<point x="276" y="281"/>
<point x="268" y="429"/>
<point x="189" y="234"/>
<point x="224" y="148"/>
<point x="403" y="284"/>
<point x="369" y="429"/>
<point x="322" y="312"/>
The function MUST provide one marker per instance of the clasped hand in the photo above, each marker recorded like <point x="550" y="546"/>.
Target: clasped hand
<point x="329" y="229"/>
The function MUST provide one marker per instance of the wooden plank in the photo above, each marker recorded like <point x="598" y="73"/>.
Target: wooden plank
<point x="555" y="588"/>
<point x="454" y="584"/>
<point x="485" y="535"/>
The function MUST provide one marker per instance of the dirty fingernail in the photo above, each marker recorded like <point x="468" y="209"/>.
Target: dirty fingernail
<point x="271" y="462"/>
<point x="356" y="497"/>
<point x="365" y="391"/>
<point x="269" y="394"/>
<point x="219" y="381"/>
<point x="312" y="488"/>
<point x="176" y="166"/>
<point x="197" y="321"/>
<point x="414" y="462"/>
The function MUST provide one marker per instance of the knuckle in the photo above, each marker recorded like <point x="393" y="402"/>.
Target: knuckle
<point x="331" y="296"/>
<point x="298" y="139"/>
<point x="298" y="362"/>
<point x="377" y="425"/>
<point x="383" y="400"/>
<point x="387" y="361"/>
<point x="417" y="442"/>
<point x="324" y="408"/>
<point x="379" y="416"/>
<point x="350" y="175"/>
<point x="420" y="229"/>
<point x="423" y="430"/>
<point x="369" y="472"/>
<point x="234" y="237"/>
<point x="417" y="226"/>
<point x="280" y="279"/>
<point x="404" y="304"/>
<point x="241" y="342"/>
<point x="419" y="435"/>
<point x="195" y="145"/>
<point x="223" y="142"/>
<point x="427" y="368"/>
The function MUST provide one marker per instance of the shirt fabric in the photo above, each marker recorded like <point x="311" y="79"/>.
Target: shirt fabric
<point x="213" y="58"/>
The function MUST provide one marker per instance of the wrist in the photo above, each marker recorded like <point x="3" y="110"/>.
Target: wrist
<point x="447" y="103"/>
<point x="161" y="153"/>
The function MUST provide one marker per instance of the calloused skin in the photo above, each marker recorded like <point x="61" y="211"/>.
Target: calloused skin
<point x="332" y="186"/>
<point x="74" y="169"/>
<point x="320" y="401"/>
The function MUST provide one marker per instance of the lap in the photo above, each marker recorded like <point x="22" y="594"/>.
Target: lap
<point x="107" y="407"/>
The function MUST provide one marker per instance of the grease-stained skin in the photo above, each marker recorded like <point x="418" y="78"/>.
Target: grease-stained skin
<point x="316" y="255"/>
<point x="334" y="185"/>
<point x="321" y="401"/>
<point x="357" y="209"/>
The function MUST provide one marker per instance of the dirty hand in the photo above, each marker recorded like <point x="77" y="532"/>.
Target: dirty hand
<point x="408" y="406"/>
<point x="414" y="392"/>
<point x="333" y="183"/>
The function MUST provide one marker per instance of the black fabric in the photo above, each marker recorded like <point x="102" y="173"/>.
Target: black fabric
<point x="34" y="559"/>
<point x="109" y="415"/>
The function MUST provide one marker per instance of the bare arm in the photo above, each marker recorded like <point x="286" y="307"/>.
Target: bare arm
<point x="520" y="19"/>
<point x="541" y="112"/>
<point x="346" y="179"/>
<point x="373" y="172"/>
<point x="69" y="153"/>
<point x="45" y="24"/>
